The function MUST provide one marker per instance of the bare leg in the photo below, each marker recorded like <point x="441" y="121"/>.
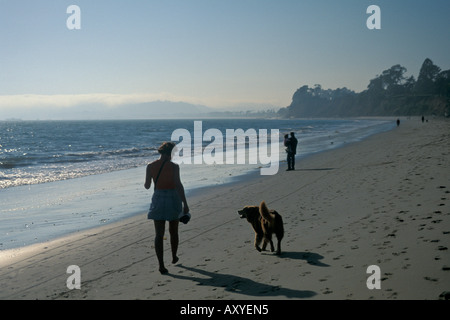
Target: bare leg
<point x="160" y="226"/>
<point x="174" y="239"/>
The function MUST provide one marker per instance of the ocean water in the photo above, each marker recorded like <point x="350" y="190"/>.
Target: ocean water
<point x="59" y="177"/>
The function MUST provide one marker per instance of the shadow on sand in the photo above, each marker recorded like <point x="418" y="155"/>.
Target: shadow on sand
<point x="240" y="285"/>
<point x="315" y="169"/>
<point x="310" y="257"/>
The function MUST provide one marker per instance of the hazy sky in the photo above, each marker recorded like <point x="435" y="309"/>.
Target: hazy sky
<point x="210" y="52"/>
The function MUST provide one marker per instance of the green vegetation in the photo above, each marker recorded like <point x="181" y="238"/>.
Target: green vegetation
<point x="389" y="94"/>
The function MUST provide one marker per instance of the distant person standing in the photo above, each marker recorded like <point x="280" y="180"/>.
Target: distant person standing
<point x="287" y="143"/>
<point x="291" y="148"/>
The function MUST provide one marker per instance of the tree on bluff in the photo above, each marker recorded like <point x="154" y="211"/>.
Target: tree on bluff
<point x="428" y="75"/>
<point x="390" y="93"/>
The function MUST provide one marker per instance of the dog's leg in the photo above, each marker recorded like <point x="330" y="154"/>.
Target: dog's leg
<point x="264" y="244"/>
<point x="258" y="240"/>
<point x="268" y="239"/>
<point x="278" y="247"/>
<point x="272" y="249"/>
<point x="280" y="235"/>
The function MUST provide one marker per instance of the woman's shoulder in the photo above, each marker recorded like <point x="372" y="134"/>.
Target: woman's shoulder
<point x="151" y="163"/>
<point x="175" y="165"/>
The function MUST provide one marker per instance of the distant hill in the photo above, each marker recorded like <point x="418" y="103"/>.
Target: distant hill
<point x="99" y="111"/>
<point x="169" y="109"/>
<point x="389" y="94"/>
<point x="157" y="109"/>
<point x="148" y="110"/>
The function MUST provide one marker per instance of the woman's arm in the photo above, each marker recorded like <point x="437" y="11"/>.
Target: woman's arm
<point x="180" y="188"/>
<point x="148" y="178"/>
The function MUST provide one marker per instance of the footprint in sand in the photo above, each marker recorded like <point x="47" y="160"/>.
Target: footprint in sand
<point x="444" y="295"/>
<point x="406" y="266"/>
<point x="431" y="279"/>
<point x="327" y="291"/>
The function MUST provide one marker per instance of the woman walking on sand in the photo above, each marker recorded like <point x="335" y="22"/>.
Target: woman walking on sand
<point x="166" y="202"/>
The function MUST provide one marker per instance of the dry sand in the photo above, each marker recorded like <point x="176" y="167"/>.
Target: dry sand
<point x="384" y="201"/>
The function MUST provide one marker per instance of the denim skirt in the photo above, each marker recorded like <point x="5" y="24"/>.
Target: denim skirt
<point x="166" y="205"/>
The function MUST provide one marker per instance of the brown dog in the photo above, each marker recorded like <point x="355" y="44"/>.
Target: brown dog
<point x="265" y="222"/>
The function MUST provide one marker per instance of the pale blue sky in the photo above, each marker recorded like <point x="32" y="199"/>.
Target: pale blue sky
<point x="211" y="52"/>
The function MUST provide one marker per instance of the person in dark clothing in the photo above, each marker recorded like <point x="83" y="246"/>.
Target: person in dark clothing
<point x="291" y="148"/>
<point x="286" y="142"/>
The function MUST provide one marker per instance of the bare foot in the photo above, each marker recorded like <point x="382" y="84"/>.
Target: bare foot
<point x="163" y="270"/>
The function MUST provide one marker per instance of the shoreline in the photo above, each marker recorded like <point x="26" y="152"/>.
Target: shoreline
<point x="381" y="201"/>
<point x="47" y="211"/>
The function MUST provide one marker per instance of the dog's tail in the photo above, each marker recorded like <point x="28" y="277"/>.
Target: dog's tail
<point x="265" y="213"/>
